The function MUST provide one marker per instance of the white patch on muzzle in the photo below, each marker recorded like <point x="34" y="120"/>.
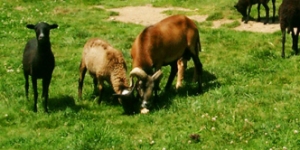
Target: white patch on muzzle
<point x="125" y="92"/>
<point x="144" y="111"/>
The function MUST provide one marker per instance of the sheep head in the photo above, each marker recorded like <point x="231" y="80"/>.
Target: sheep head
<point x="127" y="99"/>
<point x="42" y="30"/>
<point x="145" y="86"/>
<point x="241" y="8"/>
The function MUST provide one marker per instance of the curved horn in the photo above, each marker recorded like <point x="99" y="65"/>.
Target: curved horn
<point x="157" y="75"/>
<point x="138" y="72"/>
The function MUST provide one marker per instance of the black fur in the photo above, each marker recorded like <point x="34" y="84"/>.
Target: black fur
<point x="38" y="61"/>
<point x="289" y="17"/>
<point x="243" y="5"/>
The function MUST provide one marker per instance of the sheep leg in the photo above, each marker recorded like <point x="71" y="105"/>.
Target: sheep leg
<point x="248" y="14"/>
<point x="198" y="67"/>
<point x="34" y="85"/>
<point x="45" y="95"/>
<point x="95" y="83"/>
<point x="181" y="65"/>
<point x="274" y="10"/>
<point x="100" y="88"/>
<point x="174" y="70"/>
<point x="82" y="70"/>
<point x="258" y="12"/>
<point x="283" y="32"/>
<point x="295" y="40"/>
<point x="26" y="85"/>
<point x="267" y="12"/>
<point x="195" y="76"/>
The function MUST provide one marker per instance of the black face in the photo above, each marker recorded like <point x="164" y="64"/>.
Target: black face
<point x="42" y="30"/>
<point x="130" y="104"/>
<point x="129" y="101"/>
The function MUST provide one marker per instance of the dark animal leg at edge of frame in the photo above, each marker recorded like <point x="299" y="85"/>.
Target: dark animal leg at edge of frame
<point x="267" y="12"/>
<point x="26" y="85"/>
<point x="283" y="32"/>
<point x="258" y="12"/>
<point x="274" y="10"/>
<point x="248" y="14"/>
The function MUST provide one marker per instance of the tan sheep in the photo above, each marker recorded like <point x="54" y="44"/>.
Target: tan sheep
<point x="104" y="63"/>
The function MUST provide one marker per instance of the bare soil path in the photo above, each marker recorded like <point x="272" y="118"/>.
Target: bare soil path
<point x="147" y="15"/>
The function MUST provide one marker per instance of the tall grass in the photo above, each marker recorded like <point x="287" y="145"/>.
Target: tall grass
<point x="250" y="100"/>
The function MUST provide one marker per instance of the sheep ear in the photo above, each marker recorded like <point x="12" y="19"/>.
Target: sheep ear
<point x="53" y="26"/>
<point x="122" y="96"/>
<point x="125" y="92"/>
<point x="30" y="26"/>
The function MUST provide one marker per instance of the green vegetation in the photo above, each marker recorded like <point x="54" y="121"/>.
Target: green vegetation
<point x="215" y="16"/>
<point x="232" y="24"/>
<point x="250" y="100"/>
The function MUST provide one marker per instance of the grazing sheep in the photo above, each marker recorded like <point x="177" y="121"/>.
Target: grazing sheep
<point x="38" y="61"/>
<point x="289" y="17"/>
<point x="163" y="43"/>
<point x="104" y="63"/>
<point x="243" y="5"/>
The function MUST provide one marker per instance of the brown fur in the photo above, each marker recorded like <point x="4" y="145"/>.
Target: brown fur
<point x="165" y="43"/>
<point x="104" y="63"/>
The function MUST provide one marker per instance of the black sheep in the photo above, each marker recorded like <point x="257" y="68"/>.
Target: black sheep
<point x="242" y="6"/>
<point x="289" y="17"/>
<point x="38" y="61"/>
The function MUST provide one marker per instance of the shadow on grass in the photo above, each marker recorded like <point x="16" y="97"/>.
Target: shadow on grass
<point x="263" y="19"/>
<point x="166" y="97"/>
<point x="106" y="97"/>
<point x="62" y="102"/>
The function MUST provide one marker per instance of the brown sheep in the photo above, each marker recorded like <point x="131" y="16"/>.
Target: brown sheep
<point x="163" y="43"/>
<point x="289" y="17"/>
<point x="104" y="63"/>
<point x="243" y="5"/>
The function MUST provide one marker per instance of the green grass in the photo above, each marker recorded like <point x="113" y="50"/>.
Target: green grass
<point x="232" y="24"/>
<point x="250" y="100"/>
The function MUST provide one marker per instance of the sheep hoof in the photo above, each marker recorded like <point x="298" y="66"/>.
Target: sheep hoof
<point x="144" y="111"/>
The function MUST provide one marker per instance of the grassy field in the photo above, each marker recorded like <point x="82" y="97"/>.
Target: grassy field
<point x="250" y="100"/>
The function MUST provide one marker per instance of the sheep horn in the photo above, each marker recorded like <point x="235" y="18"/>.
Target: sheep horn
<point x="131" y="85"/>
<point x="138" y="72"/>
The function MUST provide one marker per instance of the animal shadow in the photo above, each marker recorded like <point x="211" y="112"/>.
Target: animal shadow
<point x="209" y="81"/>
<point x="106" y="96"/>
<point x="263" y="19"/>
<point x="190" y="88"/>
<point x="62" y="102"/>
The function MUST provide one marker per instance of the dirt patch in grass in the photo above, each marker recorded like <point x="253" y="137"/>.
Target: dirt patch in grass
<point x="147" y="15"/>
